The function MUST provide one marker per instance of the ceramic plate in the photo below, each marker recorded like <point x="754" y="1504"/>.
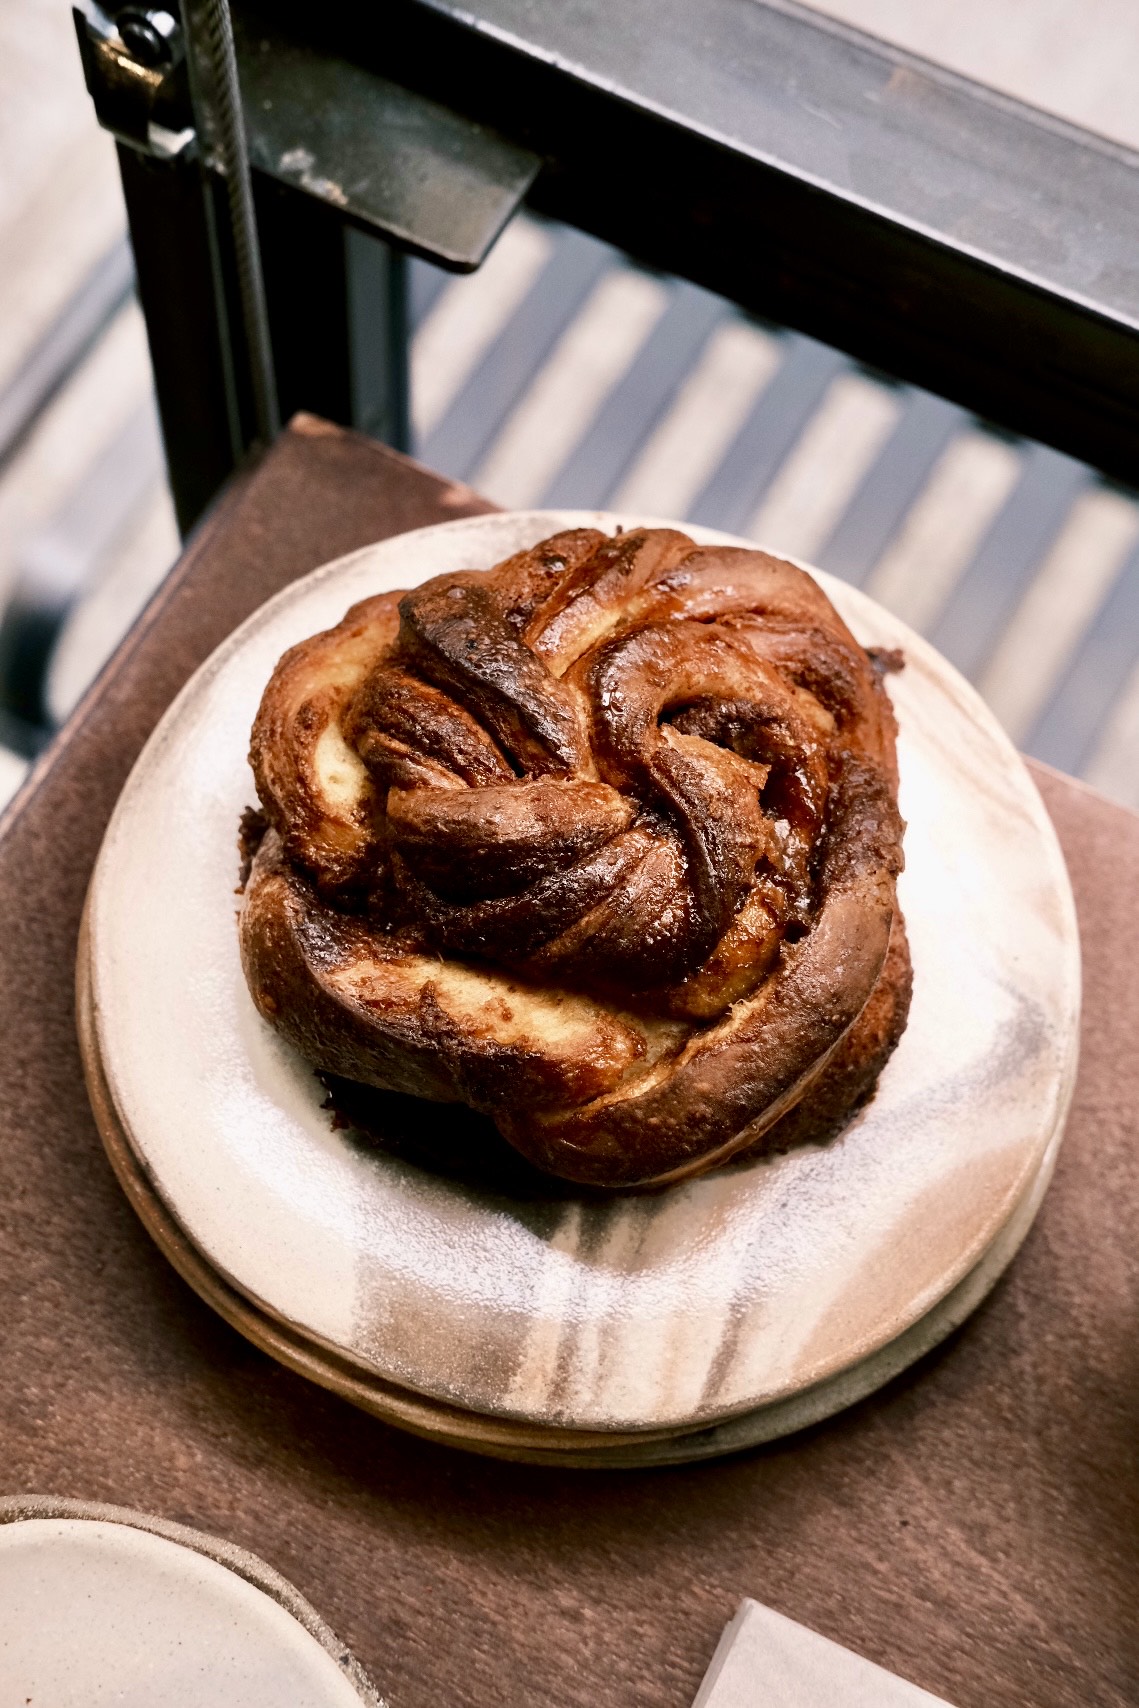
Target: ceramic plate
<point x="548" y="1444"/>
<point x="99" y="1605"/>
<point x="654" y="1312"/>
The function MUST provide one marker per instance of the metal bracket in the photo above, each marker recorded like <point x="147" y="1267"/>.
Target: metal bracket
<point x="134" y="64"/>
<point x="394" y="162"/>
<point x="339" y="155"/>
<point x="390" y="161"/>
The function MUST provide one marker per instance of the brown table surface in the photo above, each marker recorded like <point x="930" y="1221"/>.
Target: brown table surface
<point x="975" y="1527"/>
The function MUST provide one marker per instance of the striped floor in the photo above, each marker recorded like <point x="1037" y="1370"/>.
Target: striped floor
<point x="562" y="375"/>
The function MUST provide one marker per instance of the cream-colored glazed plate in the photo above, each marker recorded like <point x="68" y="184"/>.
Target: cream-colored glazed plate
<point x="649" y="1313"/>
<point x="99" y="1605"/>
<point x="536" y="1443"/>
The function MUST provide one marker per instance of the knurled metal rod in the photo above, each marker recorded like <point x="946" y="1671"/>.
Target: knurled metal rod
<point x="217" y="58"/>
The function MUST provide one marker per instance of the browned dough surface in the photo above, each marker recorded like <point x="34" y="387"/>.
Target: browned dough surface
<point x="600" y="843"/>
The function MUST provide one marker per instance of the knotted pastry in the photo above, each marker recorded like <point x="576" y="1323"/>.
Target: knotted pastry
<point x="601" y="842"/>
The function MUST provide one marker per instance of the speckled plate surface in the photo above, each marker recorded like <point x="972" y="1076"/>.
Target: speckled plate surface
<point x="100" y="1605"/>
<point x="656" y="1313"/>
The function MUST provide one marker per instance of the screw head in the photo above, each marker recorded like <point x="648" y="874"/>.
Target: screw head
<point x="148" y="35"/>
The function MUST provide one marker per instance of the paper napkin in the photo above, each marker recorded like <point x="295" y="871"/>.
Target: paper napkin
<point x="766" y="1661"/>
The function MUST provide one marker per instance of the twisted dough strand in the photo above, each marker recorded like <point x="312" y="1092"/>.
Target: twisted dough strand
<point x="602" y="842"/>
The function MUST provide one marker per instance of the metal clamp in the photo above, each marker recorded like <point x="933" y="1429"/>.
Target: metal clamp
<point x="134" y="63"/>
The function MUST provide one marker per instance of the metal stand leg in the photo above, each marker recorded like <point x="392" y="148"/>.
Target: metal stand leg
<point x="378" y="332"/>
<point x="337" y="314"/>
<point x="180" y="285"/>
<point x="329" y="332"/>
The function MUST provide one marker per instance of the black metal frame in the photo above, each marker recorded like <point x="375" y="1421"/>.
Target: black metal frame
<point x="949" y="236"/>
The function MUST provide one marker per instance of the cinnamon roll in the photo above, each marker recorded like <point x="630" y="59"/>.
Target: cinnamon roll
<point x="601" y="842"/>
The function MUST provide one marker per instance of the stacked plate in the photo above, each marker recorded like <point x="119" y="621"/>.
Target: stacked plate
<point x="550" y="1326"/>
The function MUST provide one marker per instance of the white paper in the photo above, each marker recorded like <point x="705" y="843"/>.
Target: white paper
<point x="764" y="1660"/>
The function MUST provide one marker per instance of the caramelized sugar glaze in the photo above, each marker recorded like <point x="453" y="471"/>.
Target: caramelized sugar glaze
<point x="601" y="843"/>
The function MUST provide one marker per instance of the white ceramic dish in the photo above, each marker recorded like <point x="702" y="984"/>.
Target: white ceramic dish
<point x="99" y="1605"/>
<point x="739" y="1291"/>
<point x="537" y="1443"/>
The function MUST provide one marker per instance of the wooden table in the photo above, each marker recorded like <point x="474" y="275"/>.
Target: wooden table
<point x="975" y="1527"/>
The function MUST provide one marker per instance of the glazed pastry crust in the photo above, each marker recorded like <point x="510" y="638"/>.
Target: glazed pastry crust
<point x="601" y="843"/>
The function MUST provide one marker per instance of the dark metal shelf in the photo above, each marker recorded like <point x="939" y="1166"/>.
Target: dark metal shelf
<point x="945" y="233"/>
